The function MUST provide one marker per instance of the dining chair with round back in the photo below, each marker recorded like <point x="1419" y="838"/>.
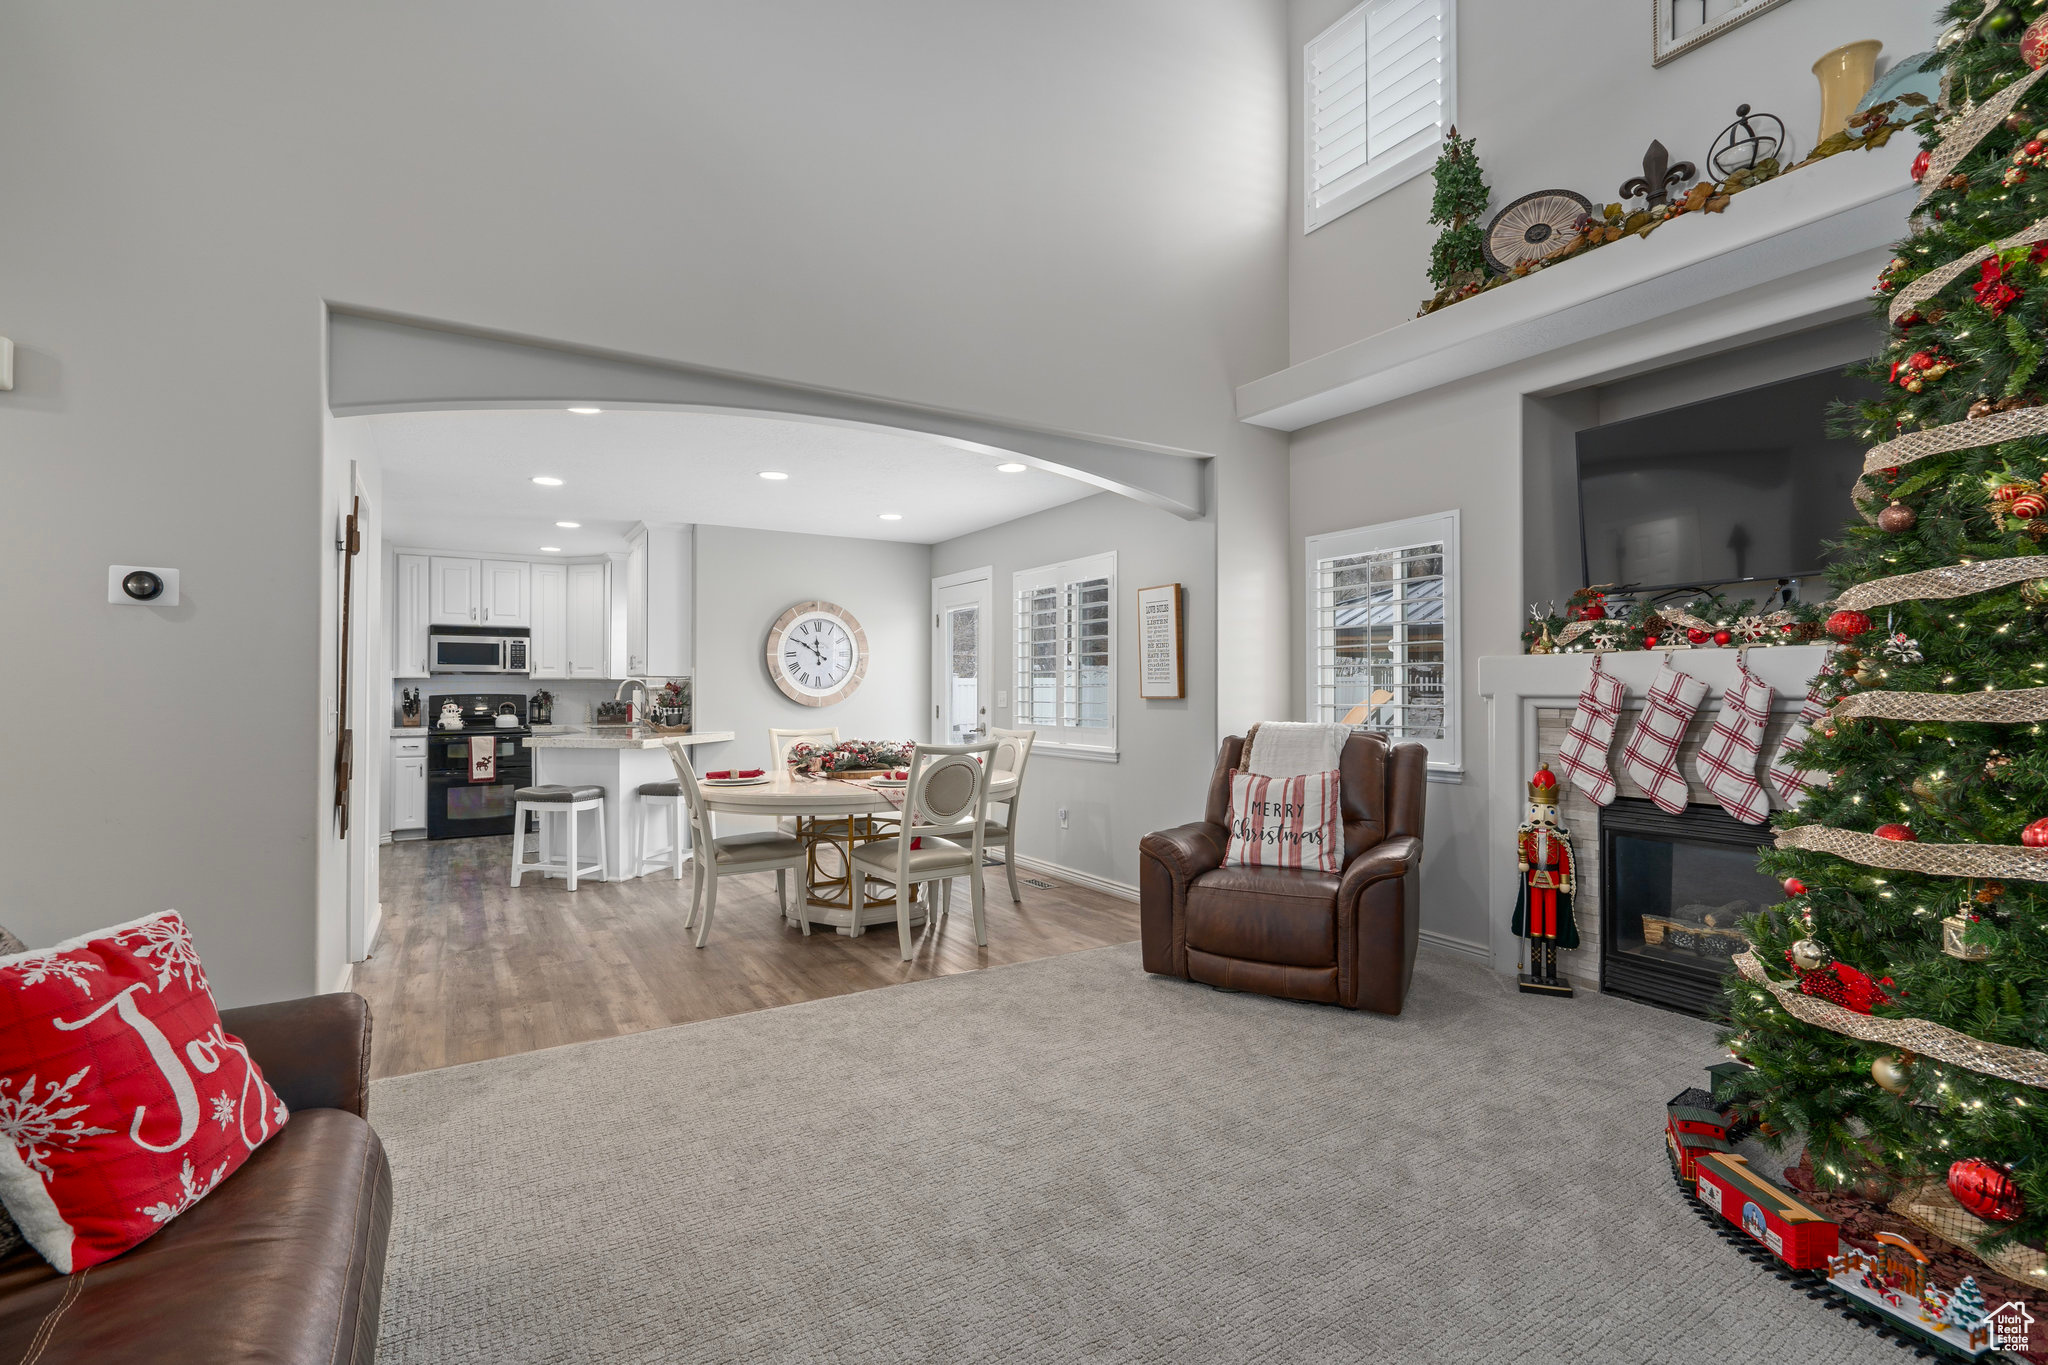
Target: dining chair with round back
<point x="711" y="856"/>
<point x="1013" y="754"/>
<point x="945" y="818"/>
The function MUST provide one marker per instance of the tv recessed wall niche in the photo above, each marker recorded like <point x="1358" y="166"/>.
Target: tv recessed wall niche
<point x="1747" y="487"/>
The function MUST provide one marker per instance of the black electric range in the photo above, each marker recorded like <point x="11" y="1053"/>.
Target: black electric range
<point x="473" y="771"/>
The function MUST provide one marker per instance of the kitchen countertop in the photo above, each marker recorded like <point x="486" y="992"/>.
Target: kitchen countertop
<point x="615" y="737"/>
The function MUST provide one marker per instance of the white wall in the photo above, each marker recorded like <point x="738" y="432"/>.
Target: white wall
<point x="746" y="579"/>
<point x="1562" y="95"/>
<point x="1066" y="213"/>
<point x="1166" y="748"/>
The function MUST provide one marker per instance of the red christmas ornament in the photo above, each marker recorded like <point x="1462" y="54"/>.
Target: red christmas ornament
<point x="2036" y="834"/>
<point x="1594" y="610"/>
<point x="1920" y="360"/>
<point x="1920" y="163"/>
<point x="1649" y="642"/>
<point x="1847" y="625"/>
<point x="1723" y="637"/>
<point x="2034" y="43"/>
<point x="1794" y="887"/>
<point x="2027" y="506"/>
<point x="1840" y="984"/>
<point x="2006" y="492"/>
<point x="1986" y="1191"/>
<point x="1696" y="635"/>
<point x="1898" y="834"/>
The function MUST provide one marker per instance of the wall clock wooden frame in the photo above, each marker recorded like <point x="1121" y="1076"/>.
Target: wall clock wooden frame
<point x="779" y="631"/>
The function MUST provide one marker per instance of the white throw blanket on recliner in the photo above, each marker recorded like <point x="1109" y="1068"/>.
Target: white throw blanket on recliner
<point x="1286" y="748"/>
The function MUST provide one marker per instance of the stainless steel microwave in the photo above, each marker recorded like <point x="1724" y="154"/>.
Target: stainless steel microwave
<point x="477" y="652"/>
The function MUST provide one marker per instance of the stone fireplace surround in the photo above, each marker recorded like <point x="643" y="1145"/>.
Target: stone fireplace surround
<point x="1529" y="703"/>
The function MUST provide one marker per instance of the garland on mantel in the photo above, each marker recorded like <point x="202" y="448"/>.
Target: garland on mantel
<point x="1869" y="130"/>
<point x="1592" y="624"/>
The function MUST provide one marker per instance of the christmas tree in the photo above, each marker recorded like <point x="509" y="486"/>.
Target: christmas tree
<point x="1459" y="255"/>
<point x="1966" y="1307"/>
<point x="1864" y="1014"/>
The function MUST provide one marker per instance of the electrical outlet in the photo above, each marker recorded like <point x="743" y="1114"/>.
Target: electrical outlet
<point x="1063" y="817"/>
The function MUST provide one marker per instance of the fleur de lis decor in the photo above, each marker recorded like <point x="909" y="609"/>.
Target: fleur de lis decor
<point x="1659" y="177"/>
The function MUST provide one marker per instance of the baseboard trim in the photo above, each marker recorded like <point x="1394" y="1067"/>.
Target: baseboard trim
<point x="1121" y="890"/>
<point x="1463" y="947"/>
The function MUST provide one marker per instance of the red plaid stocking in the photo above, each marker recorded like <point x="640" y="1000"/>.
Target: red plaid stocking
<point x="1651" y="757"/>
<point x="1583" y="755"/>
<point x="1788" y="780"/>
<point x="1727" y="760"/>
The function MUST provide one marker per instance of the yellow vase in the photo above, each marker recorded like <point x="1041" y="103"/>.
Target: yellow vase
<point x="1845" y="75"/>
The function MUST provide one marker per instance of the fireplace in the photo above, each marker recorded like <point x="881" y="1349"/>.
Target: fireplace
<point x="1673" y="889"/>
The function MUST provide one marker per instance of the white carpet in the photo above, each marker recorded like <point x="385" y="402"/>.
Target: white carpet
<point x="1069" y="1160"/>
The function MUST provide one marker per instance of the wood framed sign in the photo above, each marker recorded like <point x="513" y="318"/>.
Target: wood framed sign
<point x="1679" y="26"/>
<point x="1162" y="644"/>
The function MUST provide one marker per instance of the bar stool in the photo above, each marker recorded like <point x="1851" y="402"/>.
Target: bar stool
<point x="666" y="800"/>
<point x="569" y="803"/>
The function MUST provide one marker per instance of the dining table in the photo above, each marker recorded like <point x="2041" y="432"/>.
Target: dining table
<point x="833" y="815"/>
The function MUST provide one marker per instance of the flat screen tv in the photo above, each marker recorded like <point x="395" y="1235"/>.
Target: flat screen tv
<point x="1737" y="489"/>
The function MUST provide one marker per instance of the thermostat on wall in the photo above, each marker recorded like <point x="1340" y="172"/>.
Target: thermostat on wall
<point x="139" y="585"/>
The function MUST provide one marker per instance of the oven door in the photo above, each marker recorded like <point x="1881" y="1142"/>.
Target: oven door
<point x="460" y="809"/>
<point x="467" y="654"/>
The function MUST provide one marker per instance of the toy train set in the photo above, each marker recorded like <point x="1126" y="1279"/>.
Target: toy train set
<point x="1889" y="1292"/>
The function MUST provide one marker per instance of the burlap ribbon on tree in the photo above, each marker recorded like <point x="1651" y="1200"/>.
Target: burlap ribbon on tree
<point x="1962" y="139"/>
<point x="1980" y="708"/>
<point x="1941" y="277"/>
<point x="2012" y="425"/>
<point x="1919" y="1036"/>
<point x="2006" y="862"/>
<point x="1960" y="580"/>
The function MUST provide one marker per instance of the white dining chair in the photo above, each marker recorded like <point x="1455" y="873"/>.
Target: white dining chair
<point x="1013" y="754"/>
<point x="712" y="857"/>
<point x="945" y="814"/>
<point x="780" y="742"/>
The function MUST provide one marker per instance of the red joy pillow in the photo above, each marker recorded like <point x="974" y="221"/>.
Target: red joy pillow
<point x="122" y="1100"/>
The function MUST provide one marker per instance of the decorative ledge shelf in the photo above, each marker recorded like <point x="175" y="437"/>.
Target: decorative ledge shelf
<point x="1836" y="218"/>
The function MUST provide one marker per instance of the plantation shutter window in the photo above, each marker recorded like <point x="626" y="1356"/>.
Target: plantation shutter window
<point x="1382" y="631"/>
<point x="1066" y="654"/>
<point x="1377" y="98"/>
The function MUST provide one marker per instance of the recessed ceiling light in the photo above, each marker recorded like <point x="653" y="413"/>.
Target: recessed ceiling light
<point x="551" y="549"/>
<point x="570" y="525"/>
<point x="1012" y="468"/>
<point x="586" y="412"/>
<point x="547" y="481"/>
<point x="772" y="474"/>
<point x="892" y="516"/>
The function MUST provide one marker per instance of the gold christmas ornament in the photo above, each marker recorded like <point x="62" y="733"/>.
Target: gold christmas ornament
<point x="2034" y="592"/>
<point x="1953" y="929"/>
<point x="1893" y="1072"/>
<point x="1810" y="955"/>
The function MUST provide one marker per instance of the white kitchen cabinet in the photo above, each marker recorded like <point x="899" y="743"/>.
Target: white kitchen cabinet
<point x="657" y="569"/>
<point x="502" y="592"/>
<point x="411" y="590"/>
<point x="550" y="621"/>
<point x="636" y="601"/>
<point x="587" y="614"/>
<point x="457" y="587"/>
<point x="408" y="783"/>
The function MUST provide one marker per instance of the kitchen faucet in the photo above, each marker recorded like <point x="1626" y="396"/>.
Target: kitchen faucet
<point x="646" y="701"/>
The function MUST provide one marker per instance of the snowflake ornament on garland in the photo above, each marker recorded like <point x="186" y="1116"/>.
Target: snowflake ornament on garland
<point x="1902" y="649"/>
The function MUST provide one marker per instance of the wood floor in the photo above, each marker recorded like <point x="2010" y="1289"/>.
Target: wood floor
<point x="467" y="968"/>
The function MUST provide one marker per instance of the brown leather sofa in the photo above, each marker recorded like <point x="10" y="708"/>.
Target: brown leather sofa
<point x="1347" y="939"/>
<point x="284" y="1263"/>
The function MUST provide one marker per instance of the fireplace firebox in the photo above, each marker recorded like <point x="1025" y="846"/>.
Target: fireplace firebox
<point x="1673" y="890"/>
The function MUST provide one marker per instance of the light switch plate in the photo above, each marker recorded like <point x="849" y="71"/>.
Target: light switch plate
<point x="167" y="598"/>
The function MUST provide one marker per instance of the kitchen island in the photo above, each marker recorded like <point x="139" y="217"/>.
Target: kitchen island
<point x="619" y="758"/>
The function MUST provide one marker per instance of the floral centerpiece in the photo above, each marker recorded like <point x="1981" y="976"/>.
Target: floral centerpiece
<point x="850" y="756"/>
<point x="668" y="707"/>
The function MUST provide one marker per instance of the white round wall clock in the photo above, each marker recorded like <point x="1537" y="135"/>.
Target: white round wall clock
<point x="817" y="653"/>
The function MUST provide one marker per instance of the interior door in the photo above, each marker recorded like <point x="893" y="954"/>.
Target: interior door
<point x="962" y="627"/>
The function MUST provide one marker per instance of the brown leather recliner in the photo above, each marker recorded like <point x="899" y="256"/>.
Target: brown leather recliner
<point x="1347" y="939"/>
<point x="283" y="1264"/>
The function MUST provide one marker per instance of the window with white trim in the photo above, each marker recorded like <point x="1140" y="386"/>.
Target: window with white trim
<point x="1379" y="90"/>
<point x="1383" y="632"/>
<point x="1066" y="653"/>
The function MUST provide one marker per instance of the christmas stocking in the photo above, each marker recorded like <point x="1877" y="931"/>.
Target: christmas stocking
<point x="1788" y="780"/>
<point x="1727" y="760"/>
<point x="1651" y="757"/>
<point x="1583" y="755"/>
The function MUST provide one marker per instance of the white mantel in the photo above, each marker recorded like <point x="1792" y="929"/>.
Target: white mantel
<point x="1799" y="250"/>
<point x="1515" y="686"/>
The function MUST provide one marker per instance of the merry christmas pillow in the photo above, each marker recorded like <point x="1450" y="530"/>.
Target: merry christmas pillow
<point x="1286" y="822"/>
<point x="122" y="1100"/>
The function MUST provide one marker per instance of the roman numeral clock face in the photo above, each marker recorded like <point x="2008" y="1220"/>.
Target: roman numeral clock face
<point x="817" y="653"/>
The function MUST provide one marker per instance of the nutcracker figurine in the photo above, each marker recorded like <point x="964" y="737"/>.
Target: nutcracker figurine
<point x="1544" y="910"/>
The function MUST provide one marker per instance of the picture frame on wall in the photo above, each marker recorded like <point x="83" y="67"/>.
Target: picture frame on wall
<point x="1162" y="644"/>
<point x="1679" y="26"/>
